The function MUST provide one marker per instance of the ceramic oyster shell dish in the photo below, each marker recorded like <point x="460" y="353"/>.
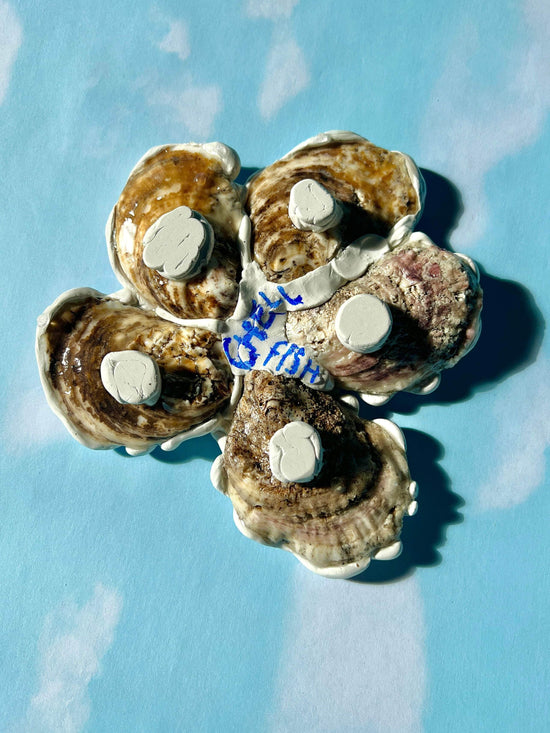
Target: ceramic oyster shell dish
<point x="244" y="313"/>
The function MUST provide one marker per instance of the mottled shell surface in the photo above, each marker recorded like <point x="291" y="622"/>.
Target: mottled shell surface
<point x="378" y="188"/>
<point x="435" y="301"/>
<point x="82" y="327"/>
<point x="350" y="510"/>
<point x="166" y="178"/>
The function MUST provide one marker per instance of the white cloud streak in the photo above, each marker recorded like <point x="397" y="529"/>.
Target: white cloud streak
<point x="11" y="35"/>
<point x="470" y="127"/>
<point x="272" y="9"/>
<point x="177" y="40"/>
<point x="195" y="107"/>
<point x="286" y="74"/>
<point x="521" y="437"/>
<point x="354" y="658"/>
<point x="191" y="105"/>
<point x="29" y="421"/>
<point x="73" y="643"/>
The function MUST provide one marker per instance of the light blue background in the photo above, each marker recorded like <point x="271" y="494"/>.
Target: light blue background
<point x="129" y="600"/>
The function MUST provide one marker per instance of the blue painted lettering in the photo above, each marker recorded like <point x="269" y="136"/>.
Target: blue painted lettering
<point x="274" y="351"/>
<point x="308" y="370"/>
<point x="286" y="296"/>
<point x="299" y="352"/>
<point x="273" y="304"/>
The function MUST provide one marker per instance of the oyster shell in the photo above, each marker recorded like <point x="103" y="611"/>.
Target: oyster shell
<point x="199" y="177"/>
<point x="380" y="191"/>
<point x="435" y="302"/>
<point x="354" y="506"/>
<point x="82" y="327"/>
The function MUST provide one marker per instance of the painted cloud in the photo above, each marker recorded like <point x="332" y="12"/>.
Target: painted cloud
<point x="191" y="105"/>
<point x="74" y="641"/>
<point x="286" y="75"/>
<point x="287" y="72"/>
<point x="521" y="437"/>
<point x="11" y="36"/>
<point x="196" y="107"/>
<point x="469" y="128"/>
<point x="351" y="651"/>
<point x="272" y="9"/>
<point x="29" y="421"/>
<point x="177" y="40"/>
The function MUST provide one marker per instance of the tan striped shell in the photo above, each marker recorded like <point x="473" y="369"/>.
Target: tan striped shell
<point x="352" y="509"/>
<point x="192" y="175"/>
<point x="381" y="192"/>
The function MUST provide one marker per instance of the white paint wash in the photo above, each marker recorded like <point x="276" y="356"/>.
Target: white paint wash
<point x="195" y="107"/>
<point x="272" y="9"/>
<point x="354" y="658"/>
<point x="191" y="105"/>
<point x="74" y="640"/>
<point x="177" y="40"/>
<point x="286" y="74"/>
<point x="469" y="127"/>
<point x="11" y="35"/>
<point x="29" y="421"/>
<point x="520" y="439"/>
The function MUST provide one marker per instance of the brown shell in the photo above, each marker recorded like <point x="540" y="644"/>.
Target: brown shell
<point x="175" y="176"/>
<point x="353" y="507"/>
<point x="435" y="301"/>
<point x="373" y="184"/>
<point x="75" y="335"/>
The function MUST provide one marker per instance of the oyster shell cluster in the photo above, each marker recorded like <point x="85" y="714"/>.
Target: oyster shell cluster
<point x="246" y="311"/>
